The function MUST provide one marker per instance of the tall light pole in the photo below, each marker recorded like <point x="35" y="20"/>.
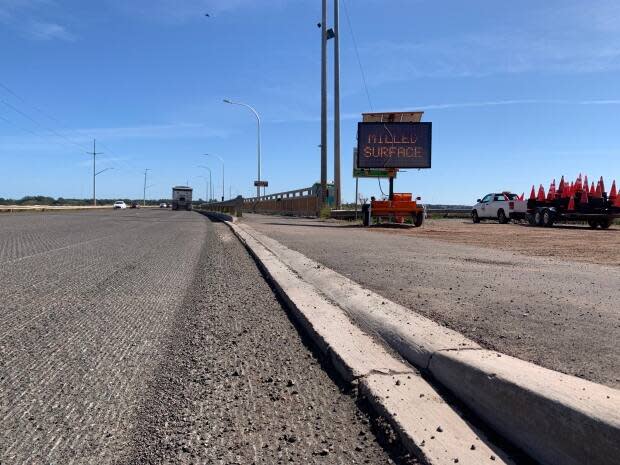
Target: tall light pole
<point x="206" y="187"/>
<point x="337" y="188"/>
<point x="144" y="190"/>
<point x="258" y="145"/>
<point x="324" y="102"/>
<point x="94" y="153"/>
<point x="210" y="183"/>
<point x="222" y="160"/>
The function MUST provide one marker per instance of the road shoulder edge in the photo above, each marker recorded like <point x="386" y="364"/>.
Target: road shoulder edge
<point x="429" y="427"/>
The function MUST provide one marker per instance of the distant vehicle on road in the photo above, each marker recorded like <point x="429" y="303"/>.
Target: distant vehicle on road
<point x="135" y="205"/>
<point x="163" y="205"/>
<point x="502" y="206"/>
<point x="119" y="204"/>
<point x="181" y="198"/>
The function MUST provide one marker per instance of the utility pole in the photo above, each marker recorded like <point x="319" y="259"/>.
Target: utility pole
<point x="144" y="190"/>
<point x="94" y="153"/>
<point x="324" y="103"/>
<point x="338" y="197"/>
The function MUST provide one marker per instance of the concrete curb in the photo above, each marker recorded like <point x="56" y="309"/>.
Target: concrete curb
<point x="555" y="418"/>
<point x="428" y="426"/>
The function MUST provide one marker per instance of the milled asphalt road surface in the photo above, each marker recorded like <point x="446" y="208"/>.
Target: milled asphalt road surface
<point x="559" y="314"/>
<point x="151" y="337"/>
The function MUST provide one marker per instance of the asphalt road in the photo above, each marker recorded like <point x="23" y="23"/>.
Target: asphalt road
<point x="151" y="337"/>
<point x="557" y="313"/>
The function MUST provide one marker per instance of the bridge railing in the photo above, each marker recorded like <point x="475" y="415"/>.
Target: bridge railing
<point x="299" y="202"/>
<point x="232" y="207"/>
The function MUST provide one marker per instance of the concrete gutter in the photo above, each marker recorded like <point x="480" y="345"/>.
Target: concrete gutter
<point x="553" y="417"/>
<point x="429" y="427"/>
<point x="219" y="216"/>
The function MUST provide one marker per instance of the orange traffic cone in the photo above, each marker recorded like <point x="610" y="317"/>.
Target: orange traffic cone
<point x="598" y="192"/>
<point x="584" y="197"/>
<point x="577" y="185"/>
<point x="571" y="203"/>
<point x="617" y="201"/>
<point x="541" y="193"/>
<point x="613" y="193"/>
<point x="551" y="193"/>
<point x="533" y="193"/>
<point x="586" y="184"/>
<point x="522" y="196"/>
<point x="592" y="190"/>
<point x="566" y="191"/>
<point x="602" y="183"/>
<point x="561" y="186"/>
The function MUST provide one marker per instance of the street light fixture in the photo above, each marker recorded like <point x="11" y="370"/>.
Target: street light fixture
<point x="258" y="144"/>
<point x="210" y="183"/>
<point x="95" y="174"/>
<point x="105" y="169"/>
<point x="222" y="160"/>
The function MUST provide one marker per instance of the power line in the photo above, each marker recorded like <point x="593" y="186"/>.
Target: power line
<point x="40" y="125"/>
<point x="19" y="127"/>
<point x="357" y="53"/>
<point x="23" y="100"/>
<point x="52" y="131"/>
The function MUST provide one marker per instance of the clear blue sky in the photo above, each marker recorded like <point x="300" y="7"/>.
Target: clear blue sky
<point x="518" y="92"/>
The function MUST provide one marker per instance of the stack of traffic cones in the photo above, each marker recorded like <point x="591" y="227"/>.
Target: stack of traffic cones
<point x="581" y="191"/>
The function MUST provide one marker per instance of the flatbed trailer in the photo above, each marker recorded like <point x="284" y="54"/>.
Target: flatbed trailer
<point x="596" y="208"/>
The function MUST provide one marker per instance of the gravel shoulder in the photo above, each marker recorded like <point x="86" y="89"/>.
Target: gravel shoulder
<point x="550" y="311"/>
<point x="239" y="385"/>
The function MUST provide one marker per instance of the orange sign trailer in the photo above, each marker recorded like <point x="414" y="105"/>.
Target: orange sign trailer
<point x="399" y="205"/>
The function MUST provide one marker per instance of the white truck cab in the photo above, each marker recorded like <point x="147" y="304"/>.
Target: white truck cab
<point x="501" y="206"/>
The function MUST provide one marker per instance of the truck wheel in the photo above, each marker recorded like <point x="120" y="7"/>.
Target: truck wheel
<point x="418" y="219"/>
<point x="605" y="223"/>
<point x="501" y="217"/>
<point x="474" y="216"/>
<point x="531" y="219"/>
<point x="547" y="218"/>
<point x="538" y="218"/>
<point x="593" y="224"/>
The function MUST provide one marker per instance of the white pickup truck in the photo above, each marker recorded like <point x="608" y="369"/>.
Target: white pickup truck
<point x="503" y="206"/>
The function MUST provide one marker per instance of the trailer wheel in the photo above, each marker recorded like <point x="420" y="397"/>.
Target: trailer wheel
<point x="474" y="216"/>
<point x="538" y="218"/>
<point x="531" y="219"/>
<point x="501" y="217"/>
<point x="547" y="218"/>
<point x="418" y="219"/>
<point x="605" y="223"/>
<point x="593" y="224"/>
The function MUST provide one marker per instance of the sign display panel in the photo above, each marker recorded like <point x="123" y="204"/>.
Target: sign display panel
<point x="261" y="184"/>
<point x="394" y="145"/>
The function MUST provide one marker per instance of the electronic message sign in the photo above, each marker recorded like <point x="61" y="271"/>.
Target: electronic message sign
<point x="394" y="145"/>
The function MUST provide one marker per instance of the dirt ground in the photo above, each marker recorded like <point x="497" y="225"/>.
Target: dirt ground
<point x="550" y="310"/>
<point x="566" y="242"/>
